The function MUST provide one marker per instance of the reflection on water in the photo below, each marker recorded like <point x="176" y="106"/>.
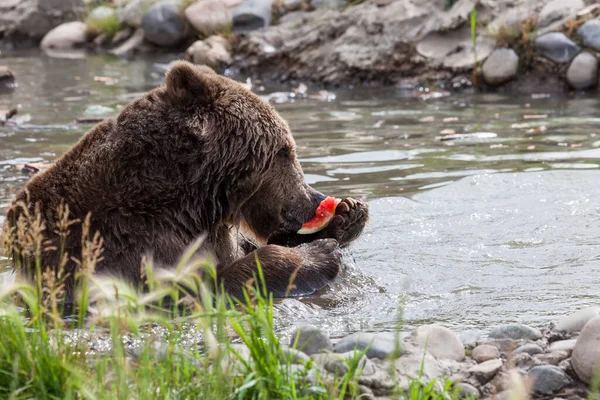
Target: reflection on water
<point x="480" y="214"/>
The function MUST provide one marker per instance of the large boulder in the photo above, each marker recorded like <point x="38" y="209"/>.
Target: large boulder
<point x="163" y="24"/>
<point x="27" y="21"/>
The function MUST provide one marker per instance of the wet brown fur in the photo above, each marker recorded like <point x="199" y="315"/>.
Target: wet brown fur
<point x="200" y="155"/>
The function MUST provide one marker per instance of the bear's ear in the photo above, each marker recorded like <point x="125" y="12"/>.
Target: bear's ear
<point x="191" y="83"/>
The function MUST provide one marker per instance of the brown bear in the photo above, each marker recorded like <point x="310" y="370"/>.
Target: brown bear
<point x="201" y="155"/>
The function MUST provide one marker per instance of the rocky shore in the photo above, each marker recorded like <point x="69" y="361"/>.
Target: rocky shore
<point x="512" y="45"/>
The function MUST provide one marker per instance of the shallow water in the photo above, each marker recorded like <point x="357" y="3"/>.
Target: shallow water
<point x="497" y="225"/>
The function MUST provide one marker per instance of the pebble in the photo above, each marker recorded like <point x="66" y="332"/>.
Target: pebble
<point x="163" y="24"/>
<point x="65" y="36"/>
<point x="484" y="353"/>
<point x="524" y="361"/>
<point x="251" y="15"/>
<point x="548" y="379"/>
<point x="587" y="351"/>
<point x="485" y="371"/>
<point x="563" y="345"/>
<point x="468" y="391"/>
<point x="515" y="332"/>
<point x="590" y="34"/>
<point x="311" y="340"/>
<point x="583" y="71"/>
<point x="552" y="358"/>
<point x="529" y="348"/>
<point x="558" y="9"/>
<point x="379" y="346"/>
<point x="504" y="345"/>
<point x="500" y="67"/>
<point x="576" y="321"/>
<point x="469" y="338"/>
<point x="439" y="341"/>
<point x="338" y="363"/>
<point x="556" y="47"/>
<point x="293" y="356"/>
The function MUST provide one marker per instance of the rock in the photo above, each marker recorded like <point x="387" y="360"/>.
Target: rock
<point x="583" y="71"/>
<point x="379" y="346"/>
<point x="485" y="371"/>
<point x="587" y="351"/>
<point x="504" y="345"/>
<point x="212" y="52"/>
<point x="311" y="340"/>
<point x="292" y="5"/>
<point x="409" y="367"/>
<point x="133" y="12"/>
<point x="484" y="353"/>
<point x="25" y="22"/>
<point x="439" y="341"/>
<point x="469" y="338"/>
<point x="563" y="345"/>
<point x="103" y="19"/>
<point x="515" y="332"/>
<point x="163" y="24"/>
<point x="121" y="36"/>
<point x="529" y="348"/>
<point x="576" y="321"/>
<point x="293" y="356"/>
<point x="508" y="22"/>
<point x="524" y="361"/>
<point x="234" y="359"/>
<point x="211" y="16"/>
<point x="251" y="15"/>
<point x="556" y="47"/>
<point x="548" y="379"/>
<point x="338" y="363"/>
<point x="590" y="37"/>
<point x="66" y="36"/>
<point x="334" y="4"/>
<point x="558" y="9"/>
<point x="468" y="391"/>
<point x="500" y="67"/>
<point x="552" y="358"/>
<point x="131" y="44"/>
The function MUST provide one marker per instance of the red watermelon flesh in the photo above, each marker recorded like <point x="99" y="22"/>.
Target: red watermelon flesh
<point x="323" y="215"/>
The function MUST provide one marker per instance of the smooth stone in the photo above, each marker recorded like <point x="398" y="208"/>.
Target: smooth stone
<point x="504" y="345"/>
<point x="163" y="24"/>
<point x="338" y="363"/>
<point x="524" y="361"/>
<point x="485" y="371"/>
<point x="587" y="351"/>
<point x="133" y="12"/>
<point x="590" y="35"/>
<point x="563" y="345"/>
<point x="311" y="340"/>
<point x="379" y="346"/>
<point x="439" y="341"/>
<point x="576" y="321"/>
<point x="469" y="338"/>
<point x="484" y="353"/>
<point x="101" y="17"/>
<point x="234" y="363"/>
<point x="515" y="332"/>
<point x="468" y="391"/>
<point x="212" y="52"/>
<point x="556" y="47"/>
<point x="529" y="348"/>
<point x="252" y="15"/>
<point x="583" y="71"/>
<point x="500" y="67"/>
<point x="548" y="379"/>
<point x="293" y="356"/>
<point x="552" y="358"/>
<point x="409" y="367"/>
<point x="211" y="16"/>
<point x="65" y="36"/>
<point x="558" y="9"/>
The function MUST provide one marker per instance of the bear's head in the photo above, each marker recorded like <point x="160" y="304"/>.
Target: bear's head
<point x="248" y="152"/>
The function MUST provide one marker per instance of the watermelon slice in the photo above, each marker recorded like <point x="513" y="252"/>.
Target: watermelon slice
<point x="323" y="215"/>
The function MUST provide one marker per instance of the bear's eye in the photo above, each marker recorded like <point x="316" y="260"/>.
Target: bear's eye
<point x="285" y="152"/>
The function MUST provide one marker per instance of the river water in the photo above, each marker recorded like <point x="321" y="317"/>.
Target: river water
<point x="484" y="207"/>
